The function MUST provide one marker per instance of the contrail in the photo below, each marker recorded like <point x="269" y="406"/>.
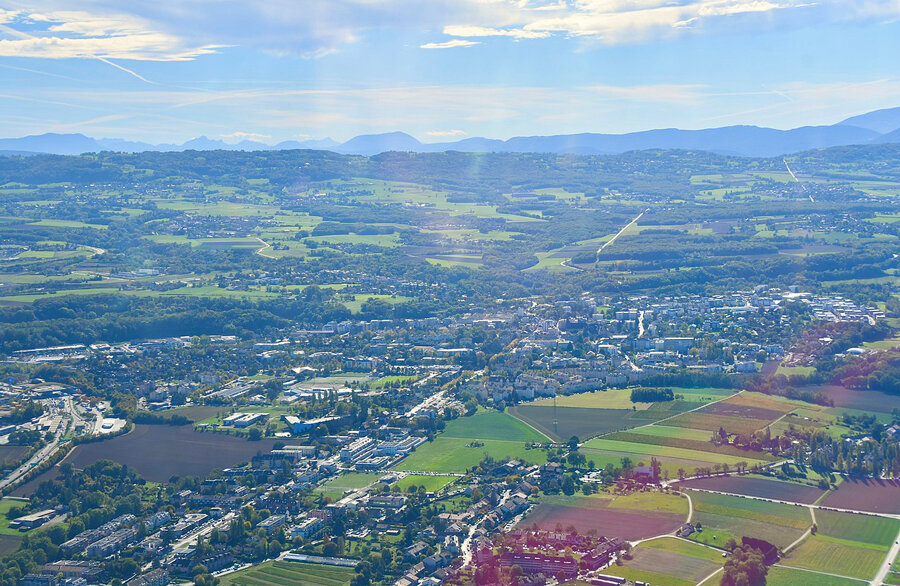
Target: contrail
<point x="24" y="35"/>
<point x="125" y="69"/>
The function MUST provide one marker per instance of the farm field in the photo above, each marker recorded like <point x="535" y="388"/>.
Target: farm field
<point x="836" y="556"/>
<point x="630" y="519"/>
<point x="159" y="452"/>
<point x="874" y="496"/>
<point x="781" y="576"/>
<point x="662" y="452"/>
<point x="279" y="573"/>
<point x="699" y="445"/>
<point x="608" y="399"/>
<point x="676" y="567"/>
<point x="868" y="529"/>
<point x="453" y="454"/>
<point x="724" y="517"/>
<point x="578" y="421"/>
<point x="10" y="455"/>
<point x="758" y="487"/>
<point x="492" y="425"/>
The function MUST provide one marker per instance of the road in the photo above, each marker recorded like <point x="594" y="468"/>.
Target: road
<point x="808" y="194"/>
<point x="465" y="548"/>
<point x="39" y="457"/>
<point x="887" y="563"/>
<point x="619" y="233"/>
<point x="265" y="245"/>
<point x="205" y="529"/>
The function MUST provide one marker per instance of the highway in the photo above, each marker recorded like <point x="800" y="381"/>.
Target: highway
<point x="44" y="453"/>
<point x="808" y="194"/>
<point x="619" y="233"/>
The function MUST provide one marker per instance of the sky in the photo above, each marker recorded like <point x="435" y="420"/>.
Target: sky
<point x="441" y="70"/>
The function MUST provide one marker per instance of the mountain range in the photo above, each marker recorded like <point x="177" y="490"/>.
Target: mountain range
<point x="880" y="126"/>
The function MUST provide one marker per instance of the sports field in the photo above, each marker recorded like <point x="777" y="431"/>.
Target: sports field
<point x="280" y="573"/>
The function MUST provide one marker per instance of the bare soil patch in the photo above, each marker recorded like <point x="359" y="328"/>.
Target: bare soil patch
<point x="758" y="487"/>
<point x="866" y="494"/>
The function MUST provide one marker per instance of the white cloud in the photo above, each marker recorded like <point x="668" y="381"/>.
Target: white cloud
<point x="83" y="35"/>
<point x="446" y="133"/>
<point x="238" y="136"/>
<point x="449" y="44"/>
<point x="482" y="31"/>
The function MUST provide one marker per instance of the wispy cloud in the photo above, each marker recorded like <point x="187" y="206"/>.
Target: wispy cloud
<point x="483" y="31"/>
<point x="449" y="44"/>
<point x="76" y="34"/>
<point x="238" y="136"/>
<point x="447" y="133"/>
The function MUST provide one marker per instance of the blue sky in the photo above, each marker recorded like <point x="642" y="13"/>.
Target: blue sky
<point x="168" y="71"/>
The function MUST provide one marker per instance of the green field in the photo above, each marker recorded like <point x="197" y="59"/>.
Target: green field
<point x="279" y="573"/>
<point x="336" y="487"/>
<point x="450" y="454"/>
<point x="648" y="577"/>
<point x="648" y="450"/>
<point x="836" y="556"/>
<point x="492" y="425"/>
<point x="868" y="529"/>
<point x="686" y="548"/>
<point x="5" y="505"/>
<point x="431" y="483"/>
<point x="779" y="576"/>
<point x="724" y="517"/>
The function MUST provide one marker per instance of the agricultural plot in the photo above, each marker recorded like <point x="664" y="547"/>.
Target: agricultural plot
<point x="647" y="576"/>
<point x="577" y="421"/>
<point x="609" y="399"/>
<point x="492" y="425"/>
<point x="647" y="450"/>
<point x="704" y="445"/>
<point x="836" y="556"/>
<point x="279" y="573"/>
<point x="452" y="454"/>
<point x="872" y="495"/>
<point x="159" y="452"/>
<point x="629" y="519"/>
<point x="724" y="517"/>
<point x="867" y="529"/>
<point x="675" y="559"/>
<point x="10" y="455"/>
<point x="757" y="487"/>
<point x="781" y="576"/>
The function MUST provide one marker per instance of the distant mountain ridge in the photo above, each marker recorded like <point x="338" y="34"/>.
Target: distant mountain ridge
<point x="880" y="126"/>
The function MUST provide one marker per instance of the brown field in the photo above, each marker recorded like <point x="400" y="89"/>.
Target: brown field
<point x="743" y="411"/>
<point x="865" y="400"/>
<point x="758" y="487"/>
<point x="864" y="494"/>
<point x="10" y="455"/>
<point x="713" y="421"/>
<point x="583" y="422"/>
<point x="607" y="522"/>
<point x="758" y="400"/>
<point x="159" y="452"/>
<point x="9" y="544"/>
<point x="671" y="563"/>
<point x="29" y="487"/>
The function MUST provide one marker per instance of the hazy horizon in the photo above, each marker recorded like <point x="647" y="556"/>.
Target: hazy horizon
<point x="443" y="71"/>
